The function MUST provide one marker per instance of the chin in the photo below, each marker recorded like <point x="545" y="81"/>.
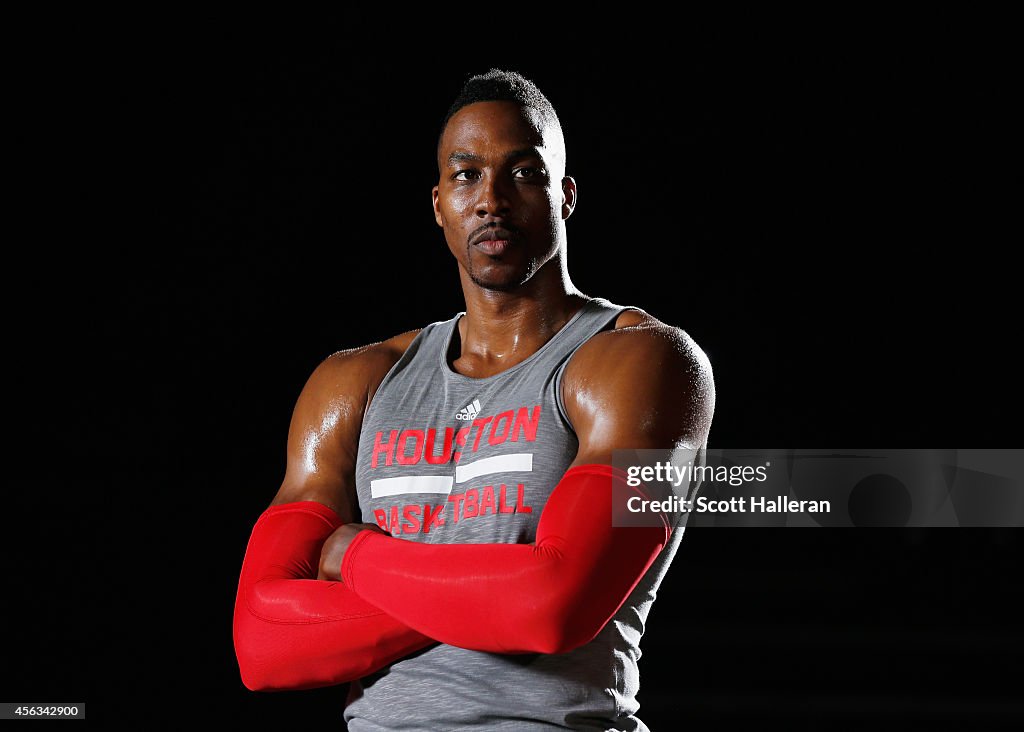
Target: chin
<point x="499" y="284"/>
<point x="503" y="276"/>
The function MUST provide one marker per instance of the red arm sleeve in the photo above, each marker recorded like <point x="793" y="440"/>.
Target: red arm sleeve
<point x="548" y="597"/>
<point x="295" y="632"/>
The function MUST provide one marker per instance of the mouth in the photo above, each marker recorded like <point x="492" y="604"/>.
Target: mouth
<point x="494" y="241"/>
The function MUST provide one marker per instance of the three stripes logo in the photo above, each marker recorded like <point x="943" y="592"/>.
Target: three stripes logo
<point x="469" y="412"/>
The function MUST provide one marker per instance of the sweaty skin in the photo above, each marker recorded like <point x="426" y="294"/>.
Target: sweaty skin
<point x="644" y="384"/>
<point x="502" y="200"/>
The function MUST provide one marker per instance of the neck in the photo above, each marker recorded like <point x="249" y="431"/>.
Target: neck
<point x="502" y="328"/>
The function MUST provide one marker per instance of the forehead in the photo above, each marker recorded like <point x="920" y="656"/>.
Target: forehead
<point x="491" y="127"/>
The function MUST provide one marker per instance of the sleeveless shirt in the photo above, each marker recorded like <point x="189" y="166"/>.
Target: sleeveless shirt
<point x="447" y="458"/>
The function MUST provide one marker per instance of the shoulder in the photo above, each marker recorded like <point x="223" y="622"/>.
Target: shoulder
<point x="368" y="360"/>
<point x="355" y="373"/>
<point x="325" y="424"/>
<point x="640" y="344"/>
<point x="643" y="373"/>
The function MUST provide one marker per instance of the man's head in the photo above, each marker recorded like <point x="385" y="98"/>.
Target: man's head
<point x="502" y="195"/>
<point x="510" y="86"/>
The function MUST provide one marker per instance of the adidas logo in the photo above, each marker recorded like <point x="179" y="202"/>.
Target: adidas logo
<point x="469" y="411"/>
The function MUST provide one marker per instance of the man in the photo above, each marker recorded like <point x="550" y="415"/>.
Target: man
<point x="443" y="537"/>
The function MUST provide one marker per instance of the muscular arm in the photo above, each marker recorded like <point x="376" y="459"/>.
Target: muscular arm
<point x="291" y="630"/>
<point x="647" y="386"/>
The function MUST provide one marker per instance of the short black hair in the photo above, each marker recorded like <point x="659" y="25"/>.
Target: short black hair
<point x="497" y="85"/>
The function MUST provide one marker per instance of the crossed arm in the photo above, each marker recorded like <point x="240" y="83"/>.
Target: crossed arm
<point x="642" y="387"/>
<point x="291" y="630"/>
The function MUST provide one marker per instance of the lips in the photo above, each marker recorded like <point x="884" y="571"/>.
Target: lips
<point x="494" y="241"/>
<point x="493" y="247"/>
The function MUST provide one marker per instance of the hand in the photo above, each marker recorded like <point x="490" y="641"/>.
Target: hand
<point x="335" y="547"/>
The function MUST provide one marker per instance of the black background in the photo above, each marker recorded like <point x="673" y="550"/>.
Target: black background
<point x="825" y="217"/>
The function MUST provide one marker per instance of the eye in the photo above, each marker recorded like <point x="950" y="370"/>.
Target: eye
<point x="468" y="174"/>
<point x="527" y="173"/>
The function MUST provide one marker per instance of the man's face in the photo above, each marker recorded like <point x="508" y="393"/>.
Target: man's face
<point x="501" y="197"/>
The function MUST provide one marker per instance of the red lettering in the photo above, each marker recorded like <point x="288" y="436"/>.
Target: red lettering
<point x="457" y="500"/>
<point x="487" y="502"/>
<point x="403" y="440"/>
<point x="388" y="448"/>
<point x="469" y="508"/>
<point x="395" y="528"/>
<point x="526" y="423"/>
<point x="433" y="459"/>
<point x="381" y="517"/>
<point x="431" y="519"/>
<point x="412" y="519"/>
<point x="494" y="438"/>
<point x="502" y="506"/>
<point x="460" y="440"/>
<point x="520" y="506"/>
<point x="480" y="424"/>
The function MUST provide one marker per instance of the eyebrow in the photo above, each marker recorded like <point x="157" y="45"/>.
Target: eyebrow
<point x="460" y="156"/>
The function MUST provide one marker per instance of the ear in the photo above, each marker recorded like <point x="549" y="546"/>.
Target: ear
<point x="437" y="210"/>
<point x="568" y="196"/>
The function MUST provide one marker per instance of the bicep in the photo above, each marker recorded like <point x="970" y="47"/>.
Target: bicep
<point x="323" y="439"/>
<point x="649" y="388"/>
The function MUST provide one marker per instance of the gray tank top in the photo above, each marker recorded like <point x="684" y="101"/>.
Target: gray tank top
<point x="446" y="458"/>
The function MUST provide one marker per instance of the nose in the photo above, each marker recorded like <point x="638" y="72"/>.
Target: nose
<point x="494" y="197"/>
